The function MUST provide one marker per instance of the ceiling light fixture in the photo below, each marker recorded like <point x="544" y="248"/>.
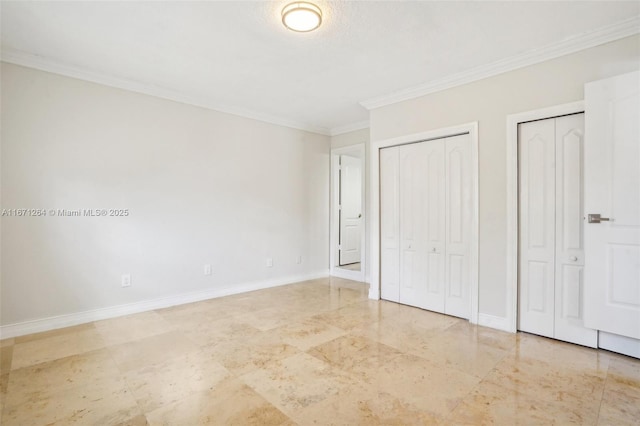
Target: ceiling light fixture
<point x="301" y="16"/>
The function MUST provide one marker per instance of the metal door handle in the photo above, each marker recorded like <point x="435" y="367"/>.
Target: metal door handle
<point x="573" y="258"/>
<point x="596" y="218"/>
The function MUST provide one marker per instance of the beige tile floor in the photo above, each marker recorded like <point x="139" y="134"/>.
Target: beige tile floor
<point x="316" y="352"/>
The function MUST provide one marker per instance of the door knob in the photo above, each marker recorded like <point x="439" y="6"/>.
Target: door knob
<point x="573" y="258"/>
<point x="596" y="218"/>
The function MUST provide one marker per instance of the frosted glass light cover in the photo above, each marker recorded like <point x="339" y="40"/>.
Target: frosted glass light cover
<point x="301" y="16"/>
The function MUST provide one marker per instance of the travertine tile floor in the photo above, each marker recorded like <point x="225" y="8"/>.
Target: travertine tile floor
<point x="316" y="352"/>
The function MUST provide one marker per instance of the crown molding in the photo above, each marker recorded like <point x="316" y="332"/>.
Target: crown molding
<point x="339" y="130"/>
<point x="574" y="44"/>
<point x="41" y="63"/>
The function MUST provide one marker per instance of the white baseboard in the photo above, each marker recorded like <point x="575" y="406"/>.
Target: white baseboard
<point x="61" y="321"/>
<point x="374" y="293"/>
<point x="492" y="321"/>
<point x="620" y="344"/>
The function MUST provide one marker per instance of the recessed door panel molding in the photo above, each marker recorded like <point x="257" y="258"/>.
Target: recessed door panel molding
<point x="571" y="292"/>
<point x="551" y="269"/>
<point x="570" y="182"/>
<point x="625" y="151"/>
<point x="455" y="277"/>
<point x="612" y="190"/>
<point x="624" y="279"/>
<point x="436" y="200"/>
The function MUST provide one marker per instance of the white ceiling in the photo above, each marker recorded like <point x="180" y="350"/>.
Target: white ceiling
<point x="236" y="55"/>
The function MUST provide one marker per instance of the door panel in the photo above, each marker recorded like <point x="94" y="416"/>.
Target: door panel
<point x="569" y="292"/>
<point x="426" y="199"/>
<point x="389" y="224"/>
<point x="458" y="225"/>
<point x="350" y="212"/>
<point x="433" y="215"/>
<point x="536" y="145"/>
<point x="612" y="189"/>
<point x="418" y="188"/>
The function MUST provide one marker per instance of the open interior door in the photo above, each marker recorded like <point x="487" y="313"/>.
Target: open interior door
<point x="351" y="209"/>
<point x="612" y="206"/>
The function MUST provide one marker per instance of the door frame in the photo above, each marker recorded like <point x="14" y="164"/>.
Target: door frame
<point x="513" y="240"/>
<point x="334" y="221"/>
<point x="376" y="146"/>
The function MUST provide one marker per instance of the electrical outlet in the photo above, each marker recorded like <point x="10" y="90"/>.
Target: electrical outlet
<point x="299" y="260"/>
<point x="269" y="262"/>
<point x="126" y="280"/>
<point x="207" y="269"/>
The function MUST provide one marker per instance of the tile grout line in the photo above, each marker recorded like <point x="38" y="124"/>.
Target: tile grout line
<point x="604" y="387"/>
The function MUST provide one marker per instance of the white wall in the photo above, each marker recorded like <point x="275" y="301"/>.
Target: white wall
<point x="201" y="187"/>
<point x="354" y="138"/>
<point x="350" y="138"/>
<point x="489" y="101"/>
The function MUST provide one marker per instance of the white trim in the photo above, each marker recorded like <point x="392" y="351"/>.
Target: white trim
<point x="512" y="197"/>
<point x="24" y="59"/>
<point x="51" y="323"/>
<point x="580" y="42"/>
<point x="339" y="130"/>
<point x="334" y="224"/>
<point x="472" y="130"/>
<point x="620" y="344"/>
<point x="500" y="323"/>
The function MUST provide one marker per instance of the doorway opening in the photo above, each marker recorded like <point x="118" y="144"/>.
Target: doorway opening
<point x="347" y="255"/>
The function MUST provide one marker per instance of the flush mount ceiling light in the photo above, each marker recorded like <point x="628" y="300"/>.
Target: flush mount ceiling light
<point x="301" y="16"/>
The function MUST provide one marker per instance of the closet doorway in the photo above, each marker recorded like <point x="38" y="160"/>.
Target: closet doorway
<point x="551" y="229"/>
<point x="425" y="206"/>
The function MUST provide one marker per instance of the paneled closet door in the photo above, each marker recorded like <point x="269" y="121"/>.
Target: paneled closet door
<point x="389" y="224"/>
<point x="569" y="280"/>
<point x="551" y="229"/>
<point x="536" y="146"/>
<point x="458" y="225"/>
<point x="422" y="212"/>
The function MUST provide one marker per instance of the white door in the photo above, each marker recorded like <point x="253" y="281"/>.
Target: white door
<point x="422" y="212"/>
<point x="536" y="148"/>
<point x="551" y="229"/>
<point x="350" y="209"/>
<point x="425" y="224"/>
<point x="458" y="195"/>
<point x="569" y="236"/>
<point x="612" y="190"/>
<point x="390" y="224"/>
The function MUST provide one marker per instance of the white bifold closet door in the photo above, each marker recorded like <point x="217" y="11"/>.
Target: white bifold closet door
<point x="425" y="210"/>
<point x="551" y="269"/>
